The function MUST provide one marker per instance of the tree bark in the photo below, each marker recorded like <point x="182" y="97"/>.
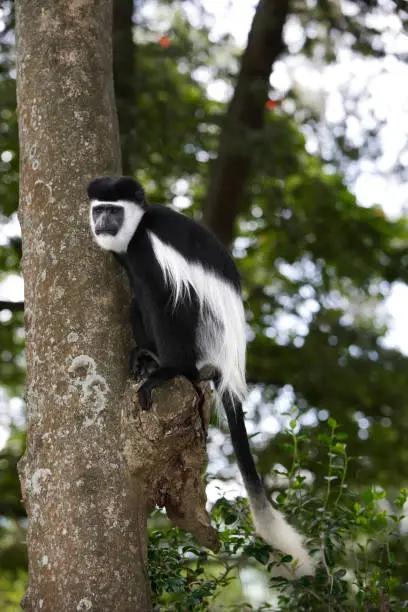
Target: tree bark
<point x="87" y="518"/>
<point x="244" y="117"/>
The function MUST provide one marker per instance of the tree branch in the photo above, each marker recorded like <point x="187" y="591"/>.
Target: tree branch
<point x="166" y="448"/>
<point x="245" y="115"/>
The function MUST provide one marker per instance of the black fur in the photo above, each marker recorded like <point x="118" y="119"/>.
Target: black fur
<point x="108" y="189"/>
<point x="166" y="330"/>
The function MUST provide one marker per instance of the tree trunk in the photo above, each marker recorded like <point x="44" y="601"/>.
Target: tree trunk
<point x="245" y="115"/>
<point x="87" y="518"/>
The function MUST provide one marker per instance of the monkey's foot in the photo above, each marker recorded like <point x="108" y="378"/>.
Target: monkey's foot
<point x="142" y="362"/>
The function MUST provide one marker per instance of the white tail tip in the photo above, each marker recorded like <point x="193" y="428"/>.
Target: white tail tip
<point x="271" y="526"/>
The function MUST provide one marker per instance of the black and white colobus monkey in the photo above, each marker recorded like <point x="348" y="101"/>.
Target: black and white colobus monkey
<point x="187" y="312"/>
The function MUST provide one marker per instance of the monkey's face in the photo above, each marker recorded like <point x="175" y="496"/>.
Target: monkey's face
<point x="107" y="218"/>
<point x="116" y="208"/>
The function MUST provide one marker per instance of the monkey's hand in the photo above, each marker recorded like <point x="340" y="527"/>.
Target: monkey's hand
<point x="142" y="362"/>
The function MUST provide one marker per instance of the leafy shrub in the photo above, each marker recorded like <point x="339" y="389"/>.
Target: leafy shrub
<point x="355" y="535"/>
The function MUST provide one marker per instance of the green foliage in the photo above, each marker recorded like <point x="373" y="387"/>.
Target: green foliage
<point x="12" y="347"/>
<point x="177" y="571"/>
<point x="12" y="366"/>
<point x="13" y="550"/>
<point x="351" y="533"/>
<point x="9" y="158"/>
<point x="12" y="589"/>
<point x="10" y="495"/>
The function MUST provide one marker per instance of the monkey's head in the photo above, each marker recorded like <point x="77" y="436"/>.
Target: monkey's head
<point x="116" y="208"/>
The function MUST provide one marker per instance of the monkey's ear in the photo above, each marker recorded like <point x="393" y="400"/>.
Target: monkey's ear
<point x="126" y="188"/>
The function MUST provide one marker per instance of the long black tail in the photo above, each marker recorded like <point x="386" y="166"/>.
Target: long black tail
<point x="240" y="442"/>
<point x="270" y="524"/>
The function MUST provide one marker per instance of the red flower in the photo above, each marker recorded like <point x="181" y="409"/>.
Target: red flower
<point x="164" y="42"/>
<point x="272" y="104"/>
